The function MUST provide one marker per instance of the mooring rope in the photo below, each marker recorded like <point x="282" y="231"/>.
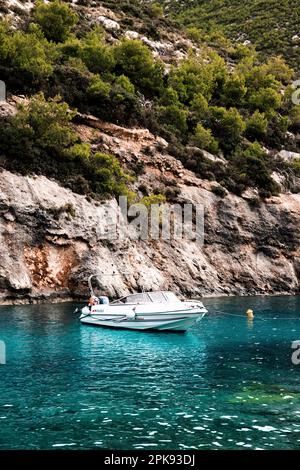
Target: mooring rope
<point x="237" y="315"/>
<point x="255" y="317"/>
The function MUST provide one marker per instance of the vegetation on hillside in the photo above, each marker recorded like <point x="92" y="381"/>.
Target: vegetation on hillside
<point x="272" y="25"/>
<point x="202" y="103"/>
<point x="40" y="139"/>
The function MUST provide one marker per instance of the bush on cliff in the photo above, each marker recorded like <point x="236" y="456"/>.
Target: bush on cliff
<point x="27" y="52"/>
<point x="40" y="139"/>
<point x="204" y="140"/>
<point x="56" y="19"/>
<point x="257" y="126"/>
<point x="253" y="168"/>
<point x="135" y="60"/>
<point x="98" y="57"/>
<point x="227" y="126"/>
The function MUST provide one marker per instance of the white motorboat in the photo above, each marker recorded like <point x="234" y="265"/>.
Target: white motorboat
<point x="160" y="310"/>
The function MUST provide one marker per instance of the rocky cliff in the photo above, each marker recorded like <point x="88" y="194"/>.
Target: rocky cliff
<point x="52" y="239"/>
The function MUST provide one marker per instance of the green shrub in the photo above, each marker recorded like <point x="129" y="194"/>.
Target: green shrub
<point x="254" y="202"/>
<point x="257" y="77"/>
<point x="43" y="123"/>
<point x="98" y="89"/>
<point x="172" y="194"/>
<point x="277" y="67"/>
<point x="190" y="104"/>
<point x="169" y="97"/>
<point x="135" y="60"/>
<point x="265" y="99"/>
<point x="234" y="90"/>
<point x="122" y="86"/>
<point x="254" y="168"/>
<point x="72" y="47"/>
<point x="219" y="191"/>
<point x="215" y="38"/>
<point x="70" y="80"/>
<point x="40" y="139"/>
<point x="108" y="176"/>
<point x="80" y="151"/>
<point x="195" y="34"/>
<point x="98" y="57"/>
<point x="257" y="126"/>
<point x="156" y="10"/>
<point x="199" y="107"/>
<point x="204" y="139"/>
<point x="55" y="18"/>
<point x="277" y="128"/>
<point x="193" y="159"/>
<point x="174" y="118"/>
<point x="114" y="101"/>
<point x="241" y="51"/>
<point x="147" y="201"/>
<point x="269" y="24"/>
<point x="29" y="52"/>
<point x="296" y="167"/>
<point x="295" y="118"/>
<point x="124" y="106"/>
<point x="5" y="28"/>
<point x="138" y="168"/>
<point x="193" y="77"/>
<point x="227" y="126"/>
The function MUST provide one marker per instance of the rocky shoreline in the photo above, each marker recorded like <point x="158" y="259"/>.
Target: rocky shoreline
<point x="54" y="299"/>
<point x="50" y="245"/>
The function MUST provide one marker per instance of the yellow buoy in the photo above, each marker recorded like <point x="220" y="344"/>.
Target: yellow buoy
<point x="250" y="314"/>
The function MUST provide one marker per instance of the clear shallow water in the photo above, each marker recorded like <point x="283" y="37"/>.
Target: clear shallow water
<point x="226" y="384"/>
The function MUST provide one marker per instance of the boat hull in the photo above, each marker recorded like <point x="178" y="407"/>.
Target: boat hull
<point x="180" y="318"/>
<point x="181" y="324"/>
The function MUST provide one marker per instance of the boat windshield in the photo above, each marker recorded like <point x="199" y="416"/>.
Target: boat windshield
<point x="137" y="299"/>
<point x="149" y="297"/>
<point x="171" y="297"/>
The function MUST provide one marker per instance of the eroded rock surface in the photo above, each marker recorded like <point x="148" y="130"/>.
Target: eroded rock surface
<point x="52" y="240"/>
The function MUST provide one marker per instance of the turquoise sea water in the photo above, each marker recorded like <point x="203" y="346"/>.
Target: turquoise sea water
<point x="226" y="384"/>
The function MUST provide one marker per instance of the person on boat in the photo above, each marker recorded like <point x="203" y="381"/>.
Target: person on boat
<point x="93" y="300"/>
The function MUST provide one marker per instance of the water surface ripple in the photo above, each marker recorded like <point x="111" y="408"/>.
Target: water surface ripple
<point x="226" y="384"/>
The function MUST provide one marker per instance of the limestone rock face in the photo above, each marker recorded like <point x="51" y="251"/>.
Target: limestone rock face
<point x="52" y="240"/>
<point x="108" y="23"/>
<point x="6" y="110"/>
<point x="288" y="156"/>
